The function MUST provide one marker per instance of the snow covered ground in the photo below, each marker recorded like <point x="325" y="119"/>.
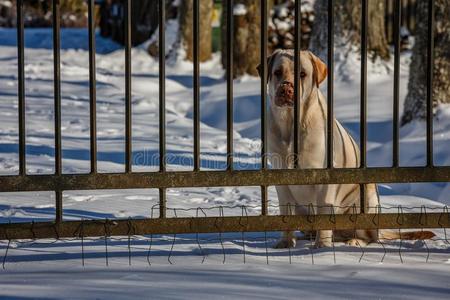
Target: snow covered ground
<point x="50" y="270"/>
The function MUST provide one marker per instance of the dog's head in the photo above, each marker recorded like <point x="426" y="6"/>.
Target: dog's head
<point x="281" y="77"/>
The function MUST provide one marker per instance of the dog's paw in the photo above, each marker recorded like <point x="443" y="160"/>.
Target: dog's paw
<point x="356" y="243"/>
<point x="323" y="243"/>
<point x="285" y="243"/>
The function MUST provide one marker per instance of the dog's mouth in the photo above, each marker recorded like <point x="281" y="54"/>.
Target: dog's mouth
<point x="284" y="96"/>
<point x="284" y="102"/>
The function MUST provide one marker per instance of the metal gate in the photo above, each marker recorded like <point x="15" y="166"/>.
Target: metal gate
<point x="263" y="177"/>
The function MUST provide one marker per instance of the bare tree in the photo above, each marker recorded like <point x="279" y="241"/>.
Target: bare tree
<point x="415" y="102"/>
<point x="347" y="27"/>
<point x="186" y="28"/>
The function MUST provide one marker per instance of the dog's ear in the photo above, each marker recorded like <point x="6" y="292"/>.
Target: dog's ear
<point x="270" y="61"/>
<point x="259" y="69"/>
<point x="320" y="69"/>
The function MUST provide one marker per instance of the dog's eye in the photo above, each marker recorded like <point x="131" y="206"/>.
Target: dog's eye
<point x="278" y="73"/>
<point x="302" y="74"/>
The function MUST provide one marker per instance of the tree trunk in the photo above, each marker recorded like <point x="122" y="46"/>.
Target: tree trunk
<point x="246" y="36"/>
<point x="144" y="20"/>
<point x="186" y="28"/>
<point x="415" y="102"/>
<point x="347" y="27"/>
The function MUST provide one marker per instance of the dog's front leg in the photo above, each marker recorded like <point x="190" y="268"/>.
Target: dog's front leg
<point x="327" y="196"/>
<point x="324" y="238"/>
<point x="287" y="207"/>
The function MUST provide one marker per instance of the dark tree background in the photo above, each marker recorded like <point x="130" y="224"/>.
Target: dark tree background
<point x="347" y="26"/>
<point x="415" y="102"/>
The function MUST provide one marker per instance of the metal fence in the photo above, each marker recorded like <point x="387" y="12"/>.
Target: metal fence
<point x="263" y="177"/>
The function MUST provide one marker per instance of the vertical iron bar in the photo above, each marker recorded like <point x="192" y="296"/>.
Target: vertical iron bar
<point x="264" y="200"/>
<point x="196" y="34"/>
<point x="297" y="70"/>
<point x="363" y="105"/>
<point x="128" y="108"/>
<point x="162" y="87"/>
<point x="57" y="103"/>
<point x="330" y="85"/>
<point x="263" y="84"/>
<point x="395" y="134"/>
<point x="57" y="83"/>
<point x="230" y="30"/>
<point x="59" y="206"/>
<point x="92" y="86"/>
<point x="430" y="59"/>
<point x="21" y="87"/>
<point x="162" y="203"/>
<point x="162" y="104"/>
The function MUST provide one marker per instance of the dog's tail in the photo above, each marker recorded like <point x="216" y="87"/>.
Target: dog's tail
<point x="409" y="235"/>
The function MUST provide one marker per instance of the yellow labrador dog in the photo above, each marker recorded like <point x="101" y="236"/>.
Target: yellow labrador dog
<point x="312" y="147"/>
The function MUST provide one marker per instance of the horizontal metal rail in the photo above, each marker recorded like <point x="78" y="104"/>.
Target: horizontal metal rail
<point x="222" y="178"/>
<point x="94" y="228"/>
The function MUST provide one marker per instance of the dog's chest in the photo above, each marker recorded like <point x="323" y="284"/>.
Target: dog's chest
<point x="311" y="149"/>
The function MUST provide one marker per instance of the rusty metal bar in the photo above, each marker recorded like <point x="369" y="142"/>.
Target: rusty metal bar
<point x="57" y="103"/>
<point x="162" y="203"/>
<point x="162" y="105"/>
<point x="430" y="70"/>
<point x="57" y="84"/>
<point x="395" y="134"/>
<point x="363" y="105"/>
<point x="297" y="70"/>
<point x="92" y="87"/>
<point x="21" y="87"/>
<point x="330" y="85"/>
<point x="264" y="201"/>
<point x="128" y="106"/>
<point x="363" y="87"/>
<point x="226" y="224"/>
<point x="269" y="177"/>
<point x="230" y="36"/>
<point x="196" y="87"/>
<point x="162" y="87"/>
<point x="264" y="75"/>
<point x="264" y="18"/>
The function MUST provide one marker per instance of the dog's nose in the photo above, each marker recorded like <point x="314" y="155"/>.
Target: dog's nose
<point x="289" y="92"/>
<point x="286" y="90"/>
<point x="285" y="94"/>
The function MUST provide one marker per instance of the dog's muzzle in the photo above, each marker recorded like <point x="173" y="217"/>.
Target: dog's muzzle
<point x="285" y="94"/>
